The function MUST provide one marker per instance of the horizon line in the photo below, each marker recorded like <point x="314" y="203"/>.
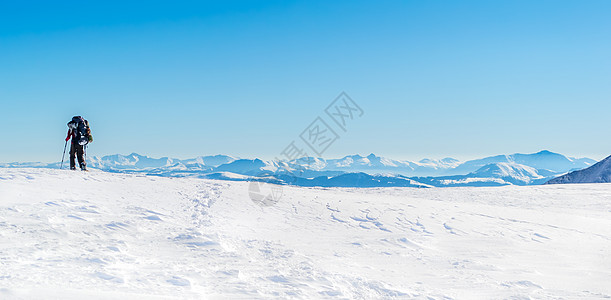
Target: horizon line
<point x="356" y="154"/>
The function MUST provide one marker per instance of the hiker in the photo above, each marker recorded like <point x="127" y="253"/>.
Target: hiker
<point x="78" y="130"/>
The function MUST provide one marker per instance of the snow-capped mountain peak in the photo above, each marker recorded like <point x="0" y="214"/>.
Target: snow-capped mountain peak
<point x="510" y="172"/>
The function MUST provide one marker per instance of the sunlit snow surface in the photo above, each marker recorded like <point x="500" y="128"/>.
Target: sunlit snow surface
<point x="95" y="235"/>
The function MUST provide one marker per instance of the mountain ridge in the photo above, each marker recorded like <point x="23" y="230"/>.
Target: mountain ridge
<point x="515" y="169"/>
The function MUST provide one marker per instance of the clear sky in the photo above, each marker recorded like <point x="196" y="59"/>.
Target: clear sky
<point x="434" y="78"/>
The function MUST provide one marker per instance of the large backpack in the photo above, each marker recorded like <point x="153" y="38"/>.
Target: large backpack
<point x="82" y="133"/>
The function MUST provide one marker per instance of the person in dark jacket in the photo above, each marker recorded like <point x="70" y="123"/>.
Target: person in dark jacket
<point x="80" y="133"/>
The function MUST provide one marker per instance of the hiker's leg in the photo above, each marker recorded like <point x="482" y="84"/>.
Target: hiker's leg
<point x="73" y="156"/>
<point x="80" y="154"/>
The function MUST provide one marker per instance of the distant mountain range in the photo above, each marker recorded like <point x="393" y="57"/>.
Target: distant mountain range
<point x="598" y="173"/>
<point x="350" y="171"/>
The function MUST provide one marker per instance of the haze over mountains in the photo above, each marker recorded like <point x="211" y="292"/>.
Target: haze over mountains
<point x="351" y="171"/>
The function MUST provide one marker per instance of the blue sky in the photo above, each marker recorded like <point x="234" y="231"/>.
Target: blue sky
<point x="434" y="78"/>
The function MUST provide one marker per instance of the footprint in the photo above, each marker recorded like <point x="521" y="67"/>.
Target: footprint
<point x="541" y="236"/>
<point x="76" y="217"/>
<point x="86" y="209"/>
<point x="153" y="218"/>
<point x="108" y="277"/>
<point x="116" y="226"/>
<point x="278" y="279"/>
<point x="203" y="244"/>
<point x="154" y="212"/>
<point x="178" y="281"/>
<point x="449" y="228"/>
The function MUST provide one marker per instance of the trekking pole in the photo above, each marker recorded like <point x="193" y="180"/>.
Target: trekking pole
<point x="62" y="164"/>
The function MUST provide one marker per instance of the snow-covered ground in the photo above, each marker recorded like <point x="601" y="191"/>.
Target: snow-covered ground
<point x="100" y="235"/>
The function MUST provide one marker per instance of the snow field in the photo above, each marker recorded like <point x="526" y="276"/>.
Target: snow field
<point x="70" y="235"/>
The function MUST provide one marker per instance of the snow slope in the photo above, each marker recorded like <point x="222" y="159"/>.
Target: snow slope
<point x="598" y="173"/>
<point x="97" y="235"/>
